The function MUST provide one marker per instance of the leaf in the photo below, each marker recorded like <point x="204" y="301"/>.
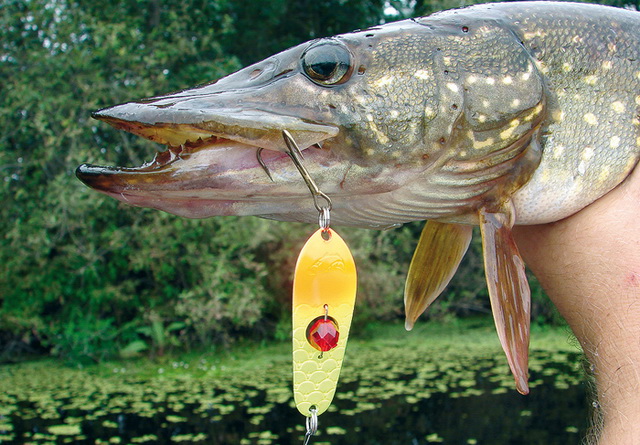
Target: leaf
<point x="133" y="349"/>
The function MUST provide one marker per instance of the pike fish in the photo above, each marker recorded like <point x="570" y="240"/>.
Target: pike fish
<point x="492" y="115"/>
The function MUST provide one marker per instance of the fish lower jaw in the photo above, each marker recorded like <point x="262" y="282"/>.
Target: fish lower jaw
<point x="184" y="207"/>
<point x="293" y="208"/>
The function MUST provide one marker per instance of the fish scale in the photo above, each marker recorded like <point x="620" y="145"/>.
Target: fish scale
<point x="593" y="77"/>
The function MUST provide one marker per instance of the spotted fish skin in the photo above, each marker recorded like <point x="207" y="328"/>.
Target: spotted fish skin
<point x="579" y="69"/>
<point x="589" y="58"/>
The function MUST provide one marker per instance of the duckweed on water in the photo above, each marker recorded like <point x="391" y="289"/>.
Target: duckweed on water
<point x="434" y="438"/>
<point x="146" y="438"/>
<point x="336" y="431"/>
<point x="436" y="384"/>
<point x="64" y="430"/>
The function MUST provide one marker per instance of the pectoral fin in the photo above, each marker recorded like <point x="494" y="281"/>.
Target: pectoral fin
<point x="435" y="261"/>
<point x="508" y="290"/>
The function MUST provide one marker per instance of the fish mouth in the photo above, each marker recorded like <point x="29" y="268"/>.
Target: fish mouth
<point x="233" y="163"/>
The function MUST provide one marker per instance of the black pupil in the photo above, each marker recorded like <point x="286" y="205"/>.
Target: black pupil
<point x="326" y="63"/>
<point x="323" y="68"/>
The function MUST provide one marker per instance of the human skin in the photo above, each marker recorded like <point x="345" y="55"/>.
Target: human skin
<point x="589" y="265"/>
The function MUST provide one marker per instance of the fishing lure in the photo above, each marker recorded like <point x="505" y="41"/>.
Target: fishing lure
<point x="324" y="295"/>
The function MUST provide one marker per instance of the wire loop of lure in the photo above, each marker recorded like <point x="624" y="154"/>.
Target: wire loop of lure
<point x="311" y="424"/>
<point x="324" y="221"/>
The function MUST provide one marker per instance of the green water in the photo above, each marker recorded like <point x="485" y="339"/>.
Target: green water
<point x="439" y="384"/>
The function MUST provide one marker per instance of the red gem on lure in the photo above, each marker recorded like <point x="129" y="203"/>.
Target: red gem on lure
<point x="323" y="334"/>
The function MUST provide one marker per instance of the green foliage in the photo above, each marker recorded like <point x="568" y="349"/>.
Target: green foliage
<point x="85" y="277"/>
<point x="82" y="339"/>
<point x="271" y="26"/>
<point x="159" y="335"/>
<point x="76" y="266"/>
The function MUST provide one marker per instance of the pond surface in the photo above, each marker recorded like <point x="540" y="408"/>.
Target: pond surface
<point x="388" y="395"/>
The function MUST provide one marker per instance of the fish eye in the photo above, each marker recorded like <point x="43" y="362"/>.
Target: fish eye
<point x="327" y="63"/>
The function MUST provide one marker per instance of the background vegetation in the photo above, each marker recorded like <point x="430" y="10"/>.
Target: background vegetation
<point x="84" y="277"/>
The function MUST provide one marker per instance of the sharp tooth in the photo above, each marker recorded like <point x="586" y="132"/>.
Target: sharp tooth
<point x="163" y="157"/>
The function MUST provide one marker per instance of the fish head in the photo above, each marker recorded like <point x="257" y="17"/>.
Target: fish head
<point x="370" y="110"/>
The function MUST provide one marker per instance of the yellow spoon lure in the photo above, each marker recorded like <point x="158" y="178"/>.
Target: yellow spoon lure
<point x="324" y="294"/>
